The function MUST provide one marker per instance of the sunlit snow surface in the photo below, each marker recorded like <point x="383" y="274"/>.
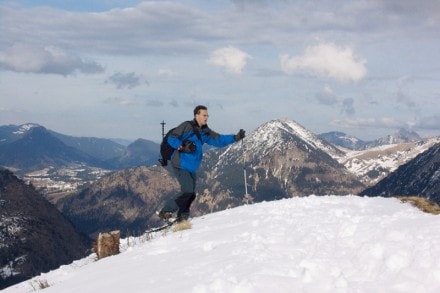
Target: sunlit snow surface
<point x="311" y="244"/>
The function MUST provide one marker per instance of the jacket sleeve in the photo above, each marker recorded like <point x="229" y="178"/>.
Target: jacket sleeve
<point x="219" y="140"/>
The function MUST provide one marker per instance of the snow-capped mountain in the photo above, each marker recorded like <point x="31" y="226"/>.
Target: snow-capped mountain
<point x="373" y="164"/>
<point x="276" y="137"/>
<point x="11" y="133"/>
<point x="308" y="244"/>
<point x="418" y="177"/>
<point x="401" y="136"/>
<point x="353" y="143"/>
<point x="282" y="159"/>
<point x="344" y="140"/>
<point x="374" y="160"/>
<point x="271" y="134"/>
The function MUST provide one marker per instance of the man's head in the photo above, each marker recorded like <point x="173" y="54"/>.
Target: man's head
<point x="201" y="115"/>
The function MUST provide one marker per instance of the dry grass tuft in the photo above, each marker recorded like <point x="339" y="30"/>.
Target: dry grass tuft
<point x="421" y="203"/>
<point x="183" y="225"/>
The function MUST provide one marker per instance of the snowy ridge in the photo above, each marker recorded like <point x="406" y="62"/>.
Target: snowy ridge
<point x="306" y="135"/>
<point x="385" y="158"/>
<point x="310" y="244"/>
<point x="401" y="136"/>
<point x="293" y="127"/>
<point x="272" y="136"/>
<point x="25" y="128"/>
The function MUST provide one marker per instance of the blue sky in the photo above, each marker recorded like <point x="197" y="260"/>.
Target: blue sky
<point x="118" y="68"/>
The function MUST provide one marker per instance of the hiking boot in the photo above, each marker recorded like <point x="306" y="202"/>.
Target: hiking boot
<point x="165" y="215"/>
<point x="182" y="217"/>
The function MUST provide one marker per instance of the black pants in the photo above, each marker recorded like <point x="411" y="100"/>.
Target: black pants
<point x="182" y="203"/>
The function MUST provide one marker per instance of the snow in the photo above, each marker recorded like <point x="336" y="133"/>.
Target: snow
<point x="25" y="128"/>
<point x="289" y="126"/>
<point x="269" y="137"/>
<point x="385" y="158"/>
<point x="310" y="244"/>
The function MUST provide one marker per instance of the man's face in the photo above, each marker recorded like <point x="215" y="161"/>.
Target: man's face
<point x="202" y="117"/>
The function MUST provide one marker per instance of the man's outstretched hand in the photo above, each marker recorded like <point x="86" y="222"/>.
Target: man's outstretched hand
<point x="240" y="135"/>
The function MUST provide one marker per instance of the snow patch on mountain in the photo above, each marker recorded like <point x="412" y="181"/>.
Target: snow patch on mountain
<point x="401" y="136"/>
<point x="376" y="163"/>
<point x="293" y="127"/>
<point x="25" y="128"/>
<point x="272" y="136"/>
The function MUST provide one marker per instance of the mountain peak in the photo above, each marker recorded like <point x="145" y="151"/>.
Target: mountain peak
<point x="408" y="135"/>
<point x="284" y="124"/>
<point x="285" y="156"/>
<point x="24" y="128"/>
<point x="279" y="135"/>
<point x="277" y="129"/>
<point x="401" y="136"/>
<point x="416" y="177"/>
<point x="342" y="139"/>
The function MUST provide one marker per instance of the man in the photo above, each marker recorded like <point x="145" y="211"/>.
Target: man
<point x="187" y="139"/>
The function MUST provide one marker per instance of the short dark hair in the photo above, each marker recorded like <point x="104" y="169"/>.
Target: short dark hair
<point x="198" y="108"/>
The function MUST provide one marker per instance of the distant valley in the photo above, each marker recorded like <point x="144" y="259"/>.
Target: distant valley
<point x="58" y="164"/>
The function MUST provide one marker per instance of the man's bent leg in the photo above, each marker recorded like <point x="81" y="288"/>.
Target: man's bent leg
<point x="184" y="202"/>
<point x="187" y="182"/>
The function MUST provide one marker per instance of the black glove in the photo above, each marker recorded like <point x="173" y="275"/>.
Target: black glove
<point x="240" y="135"/>
<point x="187" y="147"/>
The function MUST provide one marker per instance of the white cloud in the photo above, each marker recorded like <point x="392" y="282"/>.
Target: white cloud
<point x="48" y="59"/>
<point x="328" y="60"/>
<point x="230" y="58"/>
<point x="166" y="41"/>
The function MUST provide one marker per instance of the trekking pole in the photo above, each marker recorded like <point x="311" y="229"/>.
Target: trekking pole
<point x="163" y="128"/>
<point x="246" y="195"/>
<point x="161" y="160"/>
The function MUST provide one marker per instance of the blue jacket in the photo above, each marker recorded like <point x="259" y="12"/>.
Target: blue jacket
<point x="185" y="131"/>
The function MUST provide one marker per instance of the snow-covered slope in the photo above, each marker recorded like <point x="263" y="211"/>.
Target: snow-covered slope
<point x="311" y="244"/>
<point x="373" y="164"/>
